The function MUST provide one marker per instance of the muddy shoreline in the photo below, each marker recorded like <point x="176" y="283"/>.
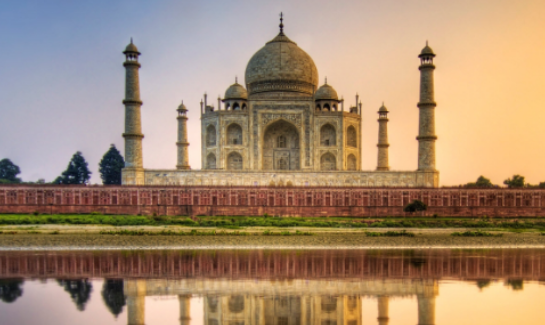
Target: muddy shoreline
<point x="55" y="237"/>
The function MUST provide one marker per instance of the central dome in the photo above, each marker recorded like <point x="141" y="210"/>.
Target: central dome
<point x="281" y="65"/>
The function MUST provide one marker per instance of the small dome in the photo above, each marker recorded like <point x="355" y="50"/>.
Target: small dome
<point x="131" y="48"/>
<point x="182" y="107"/>
<point x="326" y="92"/>
<point x="427" y="51"/>
<point x="236" y="91"/>
<point x="383" y="109"/>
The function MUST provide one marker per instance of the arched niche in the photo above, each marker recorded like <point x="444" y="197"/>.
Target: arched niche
<point x="236" y="304"/>
<point x="351" y="137"/>
<point x="352" y="162"/>
<point x="328" y="135"/>
<point x="234" y="161"/>
<point x="328" y="162"/>
<point x="211" y="136"/>
<point x="211" y="161"/>
<point x="234" y="134"/>
<point x="281" y="149"/>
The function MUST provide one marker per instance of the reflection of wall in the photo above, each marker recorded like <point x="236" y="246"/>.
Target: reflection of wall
<point x="342" y="265"/>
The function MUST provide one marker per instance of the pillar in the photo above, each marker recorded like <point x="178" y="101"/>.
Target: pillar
<point x="426" y="130"/>
<point x="136" y="301"/>
<point x="133" y="171"/>
<point x="185" y="312"/>
<point x="182" y="143"/>
<point x="383" y="310"/>
<point x="382" y="161"/>
<point x="426" y="310"/>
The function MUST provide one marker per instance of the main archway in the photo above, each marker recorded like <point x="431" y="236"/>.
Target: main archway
<point x="281" y="149"/>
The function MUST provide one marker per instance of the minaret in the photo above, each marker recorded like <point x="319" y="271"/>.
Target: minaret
<point x="382" y="163"/>
<point x="426" y="130"/>
<point x="182" y="144"/>
<point x="383" y="310"/>
<point x="133" y="172"/>
<point x="135" y="291"/>
<point x="426" y="310"/>
<point x="185" y="309"/>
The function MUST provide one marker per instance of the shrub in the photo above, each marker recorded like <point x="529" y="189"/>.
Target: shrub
<point x="402" y="233"/>
<point x="415" y="206"/>
<point x="477" y="233"/>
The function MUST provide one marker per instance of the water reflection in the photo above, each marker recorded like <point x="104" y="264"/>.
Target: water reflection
<point x="269" y="287"/>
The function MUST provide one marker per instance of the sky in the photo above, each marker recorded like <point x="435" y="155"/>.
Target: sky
<point x="62" y="75"/>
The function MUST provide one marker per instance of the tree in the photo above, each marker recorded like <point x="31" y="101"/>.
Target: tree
<point x="515" y="284"/>
<point x="483" y="182"/>
<point x="77" y="171"/>
<point x="415" y="206"/>
<point x="541" y="185"/>
<point x="110" y="166"/>
<point x="9" y="171"/>
<point x="10" y="290"/>
<point x="113" y="296"/>
<point x="79" y="290"/>
<point x="516" y="182"/>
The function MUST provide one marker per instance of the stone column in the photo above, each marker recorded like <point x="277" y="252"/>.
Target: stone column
<point x="136" y="301"/>
<point x="382" y="161"/>
<point x="383" y="310"/>
<point x="185" y="311"/>
<point x="182" y="144"/>
<point x="426" y="310"/>
<point x="426" y="130"/>
<point x="133" y="171"/>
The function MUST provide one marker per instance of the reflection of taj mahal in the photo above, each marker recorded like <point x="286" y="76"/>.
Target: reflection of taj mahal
<point x="291" y="302"/>
<point x="280" y="128"/>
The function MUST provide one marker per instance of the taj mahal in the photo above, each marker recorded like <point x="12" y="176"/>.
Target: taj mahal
<point x="280" y="127"/>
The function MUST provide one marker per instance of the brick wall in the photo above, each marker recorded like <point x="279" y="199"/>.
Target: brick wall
<point x="254" y="201"/>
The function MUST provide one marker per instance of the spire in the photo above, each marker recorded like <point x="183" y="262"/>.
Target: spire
<point x="281" y="24"/>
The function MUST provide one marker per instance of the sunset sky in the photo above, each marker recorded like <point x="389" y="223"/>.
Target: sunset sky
<point x="62" y="75"/>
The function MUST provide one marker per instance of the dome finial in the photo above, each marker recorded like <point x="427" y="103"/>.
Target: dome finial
<point x="236" y="79"/>
<point x="326" y="80"/>
<point x="131" y="40"/>
<point x="281" y="24"/>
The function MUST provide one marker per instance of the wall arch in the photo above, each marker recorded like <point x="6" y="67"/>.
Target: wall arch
<point x="236" y="304"/>
<point x="211" y="161"/>
<point x="234" y="134"/>
<point x="351" y="137"/>
<point x="352" y="162"/>
<point x="211" y="136"/>
<point x="234" y="161"/>
<point x="328" y="135"/>
<point x="328" y="161"/>
<point x="280" y="146"/>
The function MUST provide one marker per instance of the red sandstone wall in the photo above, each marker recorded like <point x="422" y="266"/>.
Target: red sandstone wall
<point x="255" y="201"/>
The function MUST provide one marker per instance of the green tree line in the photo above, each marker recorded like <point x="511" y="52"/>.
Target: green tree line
<point x="77" y="171"/>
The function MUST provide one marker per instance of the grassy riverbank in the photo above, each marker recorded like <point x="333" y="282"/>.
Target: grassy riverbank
<point x="47" y="237"/>
<point x="238" y="222"/>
